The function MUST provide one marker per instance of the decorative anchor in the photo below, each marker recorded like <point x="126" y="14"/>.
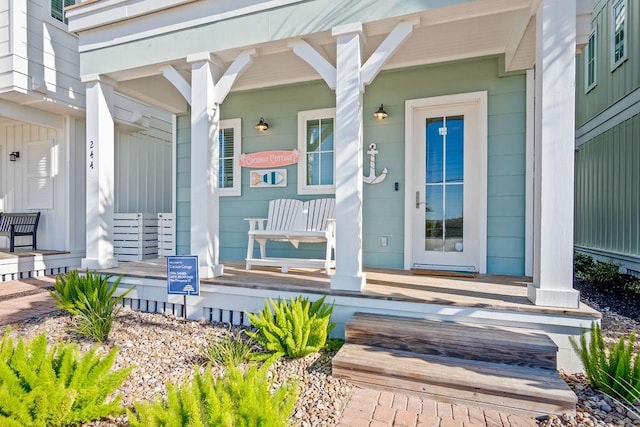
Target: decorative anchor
<point x="372" y="178"/>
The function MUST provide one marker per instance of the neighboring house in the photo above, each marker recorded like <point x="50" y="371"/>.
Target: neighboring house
<point x="42" y="121"/>
<point x="607" y="224"/>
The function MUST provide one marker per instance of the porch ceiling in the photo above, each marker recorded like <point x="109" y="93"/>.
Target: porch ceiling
<point x="445" y="34"/>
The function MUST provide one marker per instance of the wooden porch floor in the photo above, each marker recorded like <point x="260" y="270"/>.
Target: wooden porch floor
<point x="483" y="291"/>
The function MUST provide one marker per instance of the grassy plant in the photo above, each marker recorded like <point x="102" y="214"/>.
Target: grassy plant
<point x="614" y="369"/>
<point x="294" y="328"/>
<point x="55" y="387"/>
<point x="230" y="350"/>
<point x="91" y="299"/>
<point x="239" y="398"/>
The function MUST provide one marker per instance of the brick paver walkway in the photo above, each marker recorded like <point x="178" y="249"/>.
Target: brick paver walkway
<point x="23" y="299"/>
<point x="366" y="408"/>
<point x="372" y="408"/>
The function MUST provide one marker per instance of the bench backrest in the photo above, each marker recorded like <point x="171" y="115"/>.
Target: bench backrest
<point x="316" y="213"/>
<point x="284" y="215"/>
<point x="23" y="222"/>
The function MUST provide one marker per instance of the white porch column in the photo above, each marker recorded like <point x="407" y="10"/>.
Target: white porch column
<point x="554" y="155"/>
<point x="100" y="157"/>
<point x="205" y="118"/>
<point x="348" y="151"/>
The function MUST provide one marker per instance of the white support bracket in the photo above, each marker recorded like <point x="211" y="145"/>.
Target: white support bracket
<point x="311" y="56"/>
<point x="387" y="48"/>
<point x="179" y="82"/>
<point x="239" y="65"/>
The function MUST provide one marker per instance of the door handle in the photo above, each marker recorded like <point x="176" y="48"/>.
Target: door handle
<point x="417" y="199"/>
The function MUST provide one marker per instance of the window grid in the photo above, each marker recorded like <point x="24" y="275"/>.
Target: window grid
<point x="619" y="34"/>
<point x="316" y="169"/>
<point x="590" y="62"/>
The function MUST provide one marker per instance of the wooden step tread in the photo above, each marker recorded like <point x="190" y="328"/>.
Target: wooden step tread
<point x="529" y="391"/>
<point x="464" y="341"/>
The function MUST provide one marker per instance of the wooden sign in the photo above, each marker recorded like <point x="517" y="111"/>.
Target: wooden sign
<point x="269" y="159"/>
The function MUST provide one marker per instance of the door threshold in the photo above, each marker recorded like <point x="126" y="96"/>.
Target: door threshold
<point x="444" y="273"/>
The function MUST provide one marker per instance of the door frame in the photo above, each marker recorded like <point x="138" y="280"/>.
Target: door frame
<point x="411" y="105"/>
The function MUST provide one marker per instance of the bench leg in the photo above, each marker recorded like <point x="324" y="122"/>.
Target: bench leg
<point x="327" y="258"/>
<point x="249" y="252"/>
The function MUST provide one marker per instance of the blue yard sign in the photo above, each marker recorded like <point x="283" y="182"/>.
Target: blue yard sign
<point x="182" y="275"/>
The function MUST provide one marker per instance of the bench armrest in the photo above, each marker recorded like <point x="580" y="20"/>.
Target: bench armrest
<point x="331" y="226"/>
<point x="256" y="223"/>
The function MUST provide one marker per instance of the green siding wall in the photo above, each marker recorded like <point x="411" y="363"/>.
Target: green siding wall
<point x="383" y="206"/>
<point x="611" y="86"/>
<point x="607" y="190"/>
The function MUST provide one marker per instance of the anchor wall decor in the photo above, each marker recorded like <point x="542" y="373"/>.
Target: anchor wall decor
<point x="372" y="178"/>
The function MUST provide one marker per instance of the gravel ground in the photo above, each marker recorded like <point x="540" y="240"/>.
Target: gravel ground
<point x="166" y="349"/>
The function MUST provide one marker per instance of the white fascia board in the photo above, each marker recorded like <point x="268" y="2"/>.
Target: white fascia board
<point x="30" y="115"/>
<point x="95" y="14"/>
<point x="115" y="11"/>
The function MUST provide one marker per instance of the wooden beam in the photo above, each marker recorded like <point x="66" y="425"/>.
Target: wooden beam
<point x="179" y="82"/>
<point x="311" y="56"/>
<point x="239" y="65"/>
<point x="387" y="48"/>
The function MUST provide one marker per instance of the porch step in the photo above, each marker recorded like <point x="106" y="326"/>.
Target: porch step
<point x="496" y="344"/>
<point x="518" y="390"/>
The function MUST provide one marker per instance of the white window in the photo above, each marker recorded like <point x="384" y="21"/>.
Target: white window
<point x="590" y="63"/>
<point x="618" y="33"/>
<point x="57" y="9"/>
<point x="229" y="145"/>
<point x="316" y="169"/>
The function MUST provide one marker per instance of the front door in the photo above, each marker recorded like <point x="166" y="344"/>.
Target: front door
<point x="446" y="203"/>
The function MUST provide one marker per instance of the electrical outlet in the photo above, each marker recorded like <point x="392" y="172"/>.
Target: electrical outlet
<point x="385" y="241"/>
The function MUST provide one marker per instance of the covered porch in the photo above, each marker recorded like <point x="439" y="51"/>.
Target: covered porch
<point x="481" y="300"/>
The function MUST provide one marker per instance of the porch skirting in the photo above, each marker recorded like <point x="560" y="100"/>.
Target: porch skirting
<point x="487" y="300"/>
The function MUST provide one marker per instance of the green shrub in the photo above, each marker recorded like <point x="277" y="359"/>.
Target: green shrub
<point x="582" y="265"/>
<point x="55" y="387"/>
<point x="295" y="328"/>
<point x="604" y="273"/>
<point x="229" y="350"/>
<point x="614" y="369"/>
<point x="90" y="298"/>
<point x="239" y="398"/>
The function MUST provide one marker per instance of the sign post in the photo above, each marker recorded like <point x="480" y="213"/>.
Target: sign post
<point x="182" y="277"/>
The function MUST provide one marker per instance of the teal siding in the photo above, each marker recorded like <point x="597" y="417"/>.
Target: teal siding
<point x="611" y="86"/>
<point x="383" y="206"/>
<point x="608" y="190"/>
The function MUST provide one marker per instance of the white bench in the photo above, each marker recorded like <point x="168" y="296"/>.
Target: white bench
<point x="294" y="221"/>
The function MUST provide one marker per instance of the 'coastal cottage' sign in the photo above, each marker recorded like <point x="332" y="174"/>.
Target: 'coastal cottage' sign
<point x="269" y="159"/>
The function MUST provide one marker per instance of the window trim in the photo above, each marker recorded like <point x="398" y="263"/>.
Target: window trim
<point x="593" y="37"/>
<point x="303" y="117"/>
<point x="236" y="125"/>
<point x="625" y="39"/>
